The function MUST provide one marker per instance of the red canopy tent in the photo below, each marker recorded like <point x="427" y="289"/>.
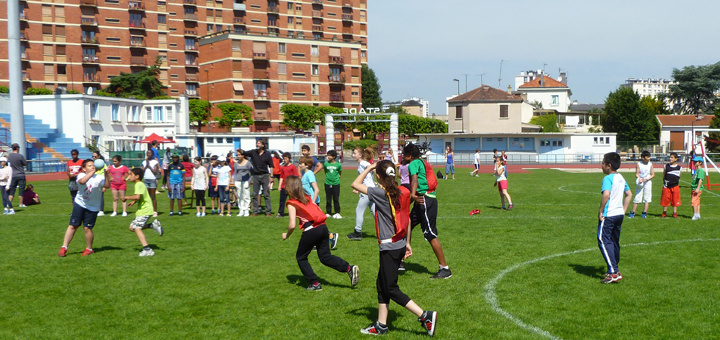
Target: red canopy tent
<point x="155" y="137"/>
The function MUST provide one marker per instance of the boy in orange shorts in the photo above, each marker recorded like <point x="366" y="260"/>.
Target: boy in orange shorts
<point x="671" y="188"/>
<point x="697" y="186"/>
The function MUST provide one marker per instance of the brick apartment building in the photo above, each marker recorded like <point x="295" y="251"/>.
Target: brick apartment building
<point x="82" y="44"/>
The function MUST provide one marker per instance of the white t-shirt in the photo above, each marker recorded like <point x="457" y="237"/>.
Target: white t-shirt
<point x="223" y="175"/>
<point x="644" y="169"/>
<point x="149" y="171"/>
<point x="90" y="194"/>
<point x="368" y="180"/>
<point x="477" y="158"/>
<point x="199" y="177"/>
<point x="615" y="183"/>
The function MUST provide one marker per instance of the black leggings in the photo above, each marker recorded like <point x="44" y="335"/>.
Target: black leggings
<point x="387" y="279"/>
<point x="332" y="196"/>
<point x="318" y="237"/>
<point x="200" y="198"/>
<point x="165" y="176"/>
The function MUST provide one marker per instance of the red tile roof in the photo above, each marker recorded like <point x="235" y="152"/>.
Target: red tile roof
<point x="486" y="93"/>
<point x="684" y="120"/>
<point x="549" y="82"/>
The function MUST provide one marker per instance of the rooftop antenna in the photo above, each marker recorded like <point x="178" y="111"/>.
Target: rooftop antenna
<point x="481" y="78"/>
<point x="500" y="78"/>
<point x="542" y="76"/>
<point x="465" y="74"/>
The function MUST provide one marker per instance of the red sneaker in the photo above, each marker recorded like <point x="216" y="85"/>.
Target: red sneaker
<point x="62" y="252"/>
<point x="675" y="216"/>
<point x="664" y="214"/>
<point x="87" y="252"/>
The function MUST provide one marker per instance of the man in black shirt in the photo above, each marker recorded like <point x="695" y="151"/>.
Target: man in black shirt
<point x="262" y="163"/>
<point x="17" y="163"/>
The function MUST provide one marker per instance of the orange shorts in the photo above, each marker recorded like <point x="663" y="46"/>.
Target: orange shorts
<point x="670" y="197"/>
<point x="695" y="200"/>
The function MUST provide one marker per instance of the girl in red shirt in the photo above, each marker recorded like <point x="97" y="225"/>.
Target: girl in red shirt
<point x="117" y="184"/>
<point x="286" y="169"/>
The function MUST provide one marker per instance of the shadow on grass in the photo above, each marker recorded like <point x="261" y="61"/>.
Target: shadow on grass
<point x="107" y="248"/>
<point x="595" y="272"/>
<point x="300" y="281"/>
<point x="416" y="268"/>
<point x="371" y="313"/>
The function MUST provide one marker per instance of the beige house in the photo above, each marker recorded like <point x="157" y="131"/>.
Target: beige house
<point x="413" y="107"/>
<point x="489" y="110"/>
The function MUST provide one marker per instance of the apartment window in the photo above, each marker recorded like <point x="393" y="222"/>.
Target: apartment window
<point x="298" y="55"/>
<point x="281" y="48"/>
<point x="210" y="28"/>
<point x="317" y="35"/>
<point x="555" y="100"/>
<point x="60" y="50"/>
<point x="237" y="65"/>
<point x="115" y="112"/>
<point x="133" y="114"/>
<point x="162" y="19"/>
<point x="314" y="51"/>
<point x="47" y="10"/>
<point x="47" y="50"/>
<point x="60" y="31"/>
<point x="49" y="70"/>
<point x="59" y="12"/>
<point x="218" y="13"/>
<point x="315" y="89"/>
<point x="298" y="94"/>
<point x="290" y="20"/>
<point x="148" y="114"/>
<point x="298" y="7"/>
<point x="94" y="111"/>
<point x="298" y="74"/>
<point x="355" y="91"/>
<point x="190" y="44"/>
<point x="282" y="88"/>
<point x="458" y="112"/>
<point x="190" y="59"/>
<point x="62" y="69"/>
<point x="89" y="52"/>
<point x="236" y="44"/>
<point x="219" y="28"/>
<point x="169" y="113"/>
<point x="315" y="70"/>
<point x="362" y="54"/>
<point x="289" y="6"/>
<point x="191" y="89"/>
<point x="282" y="68"/>
<point x="47" y="30"/>
<point x="290" y="34"/>
<point x="158" y="114"/>
<point x="503" y="111"/>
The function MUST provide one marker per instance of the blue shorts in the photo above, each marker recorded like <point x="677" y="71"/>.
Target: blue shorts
<point x="82" y="216"/>
<point x="449" y="168"/>
<point x="175" y="191"/>
<point x="224" y="195"/>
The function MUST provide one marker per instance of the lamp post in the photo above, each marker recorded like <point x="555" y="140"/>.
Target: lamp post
<point x="458" y="85"/>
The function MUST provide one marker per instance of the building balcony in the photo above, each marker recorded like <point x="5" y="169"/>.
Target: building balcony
<point x="273" y="23"/>
<point x="261" y="115"/>
<point x="192" y="77"/>
<point x="88" y="21"/>
<point x="347" y="3"/>
<point x="317" y="28"/>
<point x="347" y="17"/>
<point x="23" y="16"/>
<point x="190" y="2"/>
<point x="239" y="21"/>
<point x="191" y="33"/>
<point x="90" y="59"/>
<point x="91" y="78"/>
<point x="260" y="56"/>
<point x="261" y="74"/>
<point x="336" y="60"/>
<point x="136" y="24"/>
<point x="136" y="6"/>
<point x="317" y="2"/>
<point x="273" y="9"/>
<point x="24" y="55"/>
<point x="137" y="43"/>
<point x="347" y="31"/>
<point x="261" y="95"/>
<point x="191" y="63"/>
<point x="238" y="7"/>
<point x="191" y="49"/>
<point x="337" y="97"/>
<point x="88" y="3"/>
<point x="24" y="36"/>
<point x="89" y="40"/>
<point x="25" y="76"/>
<point x="138" y="61"/>
<point x="192" y="93"/>
<point x="336" y="79"/>
<point x="317" y="14"/>
<point x="190" y="17"/>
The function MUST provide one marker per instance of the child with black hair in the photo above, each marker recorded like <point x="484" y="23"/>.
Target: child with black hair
<point x="144" y="212"/>
<point x="333" y="171"/>
<point x="286" y="169"/>
<point x="671" y="186"/>
<point x="643" y="191"/>
<point x="610" y="215"/>
<point x="392" y="206"/>
<point x="118" y="172"/>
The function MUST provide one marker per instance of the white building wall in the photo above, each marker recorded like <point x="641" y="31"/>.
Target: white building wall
<point x="545" y="97"/>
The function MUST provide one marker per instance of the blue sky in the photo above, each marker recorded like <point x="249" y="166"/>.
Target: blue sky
<point x="417" y="47"/>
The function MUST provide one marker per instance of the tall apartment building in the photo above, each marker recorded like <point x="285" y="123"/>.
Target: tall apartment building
<point x="649" y="87"/>
<point x="82" y="44"/>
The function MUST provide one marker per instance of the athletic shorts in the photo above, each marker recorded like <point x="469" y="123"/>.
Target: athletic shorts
<point x="425" y="215"/>
<point x="212" y="193"/>
<point x="175" y="191"/>
<point x="695" y="200"/>
<point x="82" y="216"/>
<point x="643" y="193"/>
<point x="670" y="197"/>
<point x="118" y="186"/>
<point x="502" y="185"/>
<point x="140" y="222"/>
<point x="477" y="166"/>
<point x="150" y="183"/>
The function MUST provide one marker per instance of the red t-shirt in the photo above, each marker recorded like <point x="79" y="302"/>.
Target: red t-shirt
<point x="288" y="170"/>
<point x="188" y="168"/>
<point x="117" y="175"/>
<point x="276" y="167"/>
<point x="74" y="167"/>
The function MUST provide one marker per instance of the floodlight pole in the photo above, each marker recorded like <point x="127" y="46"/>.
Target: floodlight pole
<point x="17" y="117"/>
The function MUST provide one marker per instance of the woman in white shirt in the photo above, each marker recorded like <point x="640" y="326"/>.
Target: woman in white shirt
<point x="476" y="163"/>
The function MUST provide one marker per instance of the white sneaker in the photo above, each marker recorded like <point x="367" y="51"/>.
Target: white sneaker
<point x="337" y="216"/>
<point x="148" y="252"/>
<point x="247" y="213"/>
<point x="11" y="212"/>
<point x="695" y="217"/>
<point x="23" y="206"/>
<point x="240" y="214"/>
<point x="198" y="214"/>
<point x="113" y="214"/>
<point x="124" y="214"/>
<point x="100" y="213"/>
<point x="157" y="227"/>
<point x="327" y="215"/>
<point x="155" y="214"/>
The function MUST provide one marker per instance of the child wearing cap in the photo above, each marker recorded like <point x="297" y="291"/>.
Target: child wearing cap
<point x="697" y="186"/>
<point x="5" y="176"/>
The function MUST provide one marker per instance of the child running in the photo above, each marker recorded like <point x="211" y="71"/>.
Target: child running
<point x="363" y="156"/>
<point x="671" y="186"/>
<point x="333" y="171"/>
<point x="118" y="186"/>
<point x="610" y="215"/>
<point x="425" y="209"/>
<point x="476" y="163"/>
<point x="501" y="183"/>
<point x="223" y="185"/>
<point x="643" y="191"/>
<point x="86" y="207"/>
<point x="391" y="219"/>
<point x="176" y="184"/>
<point x="314" y="234"/>
<point x="142" y="215"/>
<point x="697" y="186"/>
<point x="286" y="169"/>
<point x="199" y="184"/>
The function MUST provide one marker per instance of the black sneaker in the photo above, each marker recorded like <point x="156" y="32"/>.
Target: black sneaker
<point x="428" y="321"/>
<point x="334" y="240"/>
<point x="315" y="286"/>
<point x="442" y="274"/>
<point x="354" y="274"/>
<point x="355" y="236"/>
<point x="374" y="329"/>
<point x="402" y="266"/>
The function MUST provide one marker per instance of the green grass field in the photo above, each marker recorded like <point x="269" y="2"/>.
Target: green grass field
<point x="530" y="273"/>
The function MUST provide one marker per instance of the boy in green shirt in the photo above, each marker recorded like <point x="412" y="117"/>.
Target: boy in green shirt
<point x="333" y="171"/>
<point x="697" y="186"/>
<point x="144" y="212"/>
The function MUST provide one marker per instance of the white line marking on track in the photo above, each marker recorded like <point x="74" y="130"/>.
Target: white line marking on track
<point x="706" y="190"/>
<point x="492" y="299"/>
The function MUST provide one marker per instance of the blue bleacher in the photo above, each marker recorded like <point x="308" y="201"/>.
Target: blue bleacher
<point x="50" y="137"/>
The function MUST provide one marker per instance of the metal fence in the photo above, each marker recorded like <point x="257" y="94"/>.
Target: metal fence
<point x="585" y="158"/>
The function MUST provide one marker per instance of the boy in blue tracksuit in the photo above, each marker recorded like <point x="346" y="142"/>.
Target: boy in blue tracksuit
<point x="610" y="215"/>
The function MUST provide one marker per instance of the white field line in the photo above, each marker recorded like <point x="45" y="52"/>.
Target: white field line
<point x="704" y="191"/>
<point x="492" y="299"/>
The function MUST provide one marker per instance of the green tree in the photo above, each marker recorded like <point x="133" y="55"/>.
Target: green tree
<point x="410" y="125"/>
<point x="548" y="122"/>
<point x="371" y="94"/>
<point x="713" y="143"/>
<point x="141" y="85"/>
<point x="234" y="115"/>
<point x="301" y="117"/>
<point x="199" y="111"/>
<point x="625" y="115"/>
<point x="695" y="89"/>
<point x="658" y="107"/>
